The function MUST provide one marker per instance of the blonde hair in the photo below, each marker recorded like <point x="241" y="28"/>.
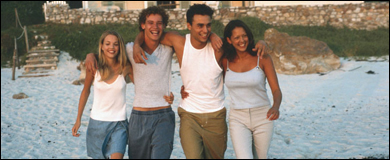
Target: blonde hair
<point x="120" y="57"/>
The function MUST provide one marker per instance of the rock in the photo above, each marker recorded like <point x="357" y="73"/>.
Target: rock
<point x="299" y="55"/>
<point x="370" y="72"/>
<point x="81" y="79"/>
<point x="21" y="95"/>
<point x="78" y="82"/>
<point x="82" y="69"/>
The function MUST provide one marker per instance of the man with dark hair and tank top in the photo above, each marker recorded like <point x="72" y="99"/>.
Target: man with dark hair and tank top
<point x="152" y="121"/>
<point x="203" y="129"/>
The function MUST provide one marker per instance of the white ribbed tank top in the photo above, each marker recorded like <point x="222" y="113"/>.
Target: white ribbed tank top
<point x="202" y="78"/>
<point x="246" y="89"/>
<point x="109" y="100"/>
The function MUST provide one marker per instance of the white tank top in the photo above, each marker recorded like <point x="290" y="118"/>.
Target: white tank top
<point x="247" y="89"/>
<point x="152" y="81"/>
<point x="202" y="78"/>
<point x="109" y="100"/>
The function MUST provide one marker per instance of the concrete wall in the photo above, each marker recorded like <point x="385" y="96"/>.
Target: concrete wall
<point x="364" y="16"/>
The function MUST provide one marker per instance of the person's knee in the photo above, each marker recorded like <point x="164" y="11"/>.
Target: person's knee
<point x="116" y="156"/>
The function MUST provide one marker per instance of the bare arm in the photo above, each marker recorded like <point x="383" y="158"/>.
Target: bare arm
<point x="138" y="52"/>
<point x="216" y="42"/>
<point x="272" y="78"/>
<point x="91" y="62"/>
<point x="224" y="67"/>
<point x="171" y="38"/>
<point x="83" y="100"/>
<point x="129" y="71"/>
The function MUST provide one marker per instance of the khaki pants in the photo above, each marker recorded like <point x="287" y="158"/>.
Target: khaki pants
<point x="203" y="135"/>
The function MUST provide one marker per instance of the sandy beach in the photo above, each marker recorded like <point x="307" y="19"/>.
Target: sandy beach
<point x="341" y="114"/>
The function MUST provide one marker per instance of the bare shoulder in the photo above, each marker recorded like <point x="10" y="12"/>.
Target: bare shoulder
<point x="172" y="38"/>
<point x="173" y="35"/>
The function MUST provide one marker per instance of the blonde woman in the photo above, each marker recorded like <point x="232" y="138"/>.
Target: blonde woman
<point x="107" y="128"/>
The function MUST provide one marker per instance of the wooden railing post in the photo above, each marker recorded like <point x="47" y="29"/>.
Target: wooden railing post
<point x="14" y="60"/>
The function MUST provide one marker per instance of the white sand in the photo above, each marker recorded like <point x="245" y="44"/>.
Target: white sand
<point x="343" y="114"/>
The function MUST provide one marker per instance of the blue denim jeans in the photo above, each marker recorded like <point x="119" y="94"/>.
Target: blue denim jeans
<point x="151" y="134"/>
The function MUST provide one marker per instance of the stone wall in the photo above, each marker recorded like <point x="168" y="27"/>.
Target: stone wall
<point x="365" y="16"/>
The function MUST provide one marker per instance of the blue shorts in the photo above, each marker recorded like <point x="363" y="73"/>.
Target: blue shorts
<point x="105" y="138"/>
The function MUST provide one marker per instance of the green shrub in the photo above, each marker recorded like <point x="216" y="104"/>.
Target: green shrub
<point x="257" y="27"/>
<point x="80" y="40"/>
<point x="29" y="12"/>
<point x="8" y="44"/>
<point x="217" y="27"/>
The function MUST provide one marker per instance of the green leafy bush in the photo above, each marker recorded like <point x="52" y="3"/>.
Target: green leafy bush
<point x="80" y="40"/>
<point x="29" y="12"/>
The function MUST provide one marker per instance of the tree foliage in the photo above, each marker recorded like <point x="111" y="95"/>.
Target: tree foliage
<point x="29" y="12"/>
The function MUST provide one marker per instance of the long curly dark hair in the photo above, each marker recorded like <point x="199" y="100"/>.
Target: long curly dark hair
<point x="152" y="10"/>
<point x="228" y="49"/>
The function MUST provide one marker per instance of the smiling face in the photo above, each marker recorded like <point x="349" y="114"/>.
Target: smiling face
<point x="239" y="39"/>
<point x="110" y="46"/>
<point x="200" y="29"/>
<point x="153" y="27"/>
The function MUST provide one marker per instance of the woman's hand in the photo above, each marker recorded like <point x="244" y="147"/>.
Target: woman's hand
<point x="273" y="114"/>
<point x="75" y="128"/>
<point x="170" y="98"/>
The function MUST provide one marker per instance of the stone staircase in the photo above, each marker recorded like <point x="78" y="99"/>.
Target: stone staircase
<point x="41" y="59"/>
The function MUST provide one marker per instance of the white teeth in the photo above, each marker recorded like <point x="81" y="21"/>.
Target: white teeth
<point x="154" y="32"/>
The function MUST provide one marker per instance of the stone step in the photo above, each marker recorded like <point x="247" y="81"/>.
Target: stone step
<point x="35" y="72"/>
<point x="44" y="42"/>
<point x="43" y="47"/>
<point x="50" y="54"/>
<point x="40" y="65"/>
<point x="43" y="66"/>
<point x="39" y="75"/>
<point x="41" y="37"/>
<point x="40" y="51"/>
<point x="42" y="60"/>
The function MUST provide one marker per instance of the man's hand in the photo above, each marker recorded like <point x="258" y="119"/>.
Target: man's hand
<point x="261" y="48"/>
<point x="183" y="93"/>
<point x="138" y="53"/>
<point x="216" y="41"/>
<point x="91" y="63"/>
<point x="170" y="98"/>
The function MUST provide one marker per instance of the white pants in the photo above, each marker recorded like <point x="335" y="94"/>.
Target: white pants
<point x="251" y="132"/>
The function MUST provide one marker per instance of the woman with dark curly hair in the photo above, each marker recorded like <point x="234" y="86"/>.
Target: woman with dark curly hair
<point x="251" y="115"/>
